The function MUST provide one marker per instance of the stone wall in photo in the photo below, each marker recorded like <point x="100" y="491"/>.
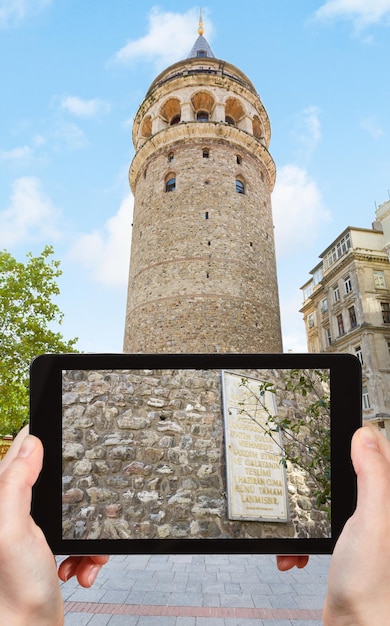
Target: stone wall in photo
<point x="144" y="457"/>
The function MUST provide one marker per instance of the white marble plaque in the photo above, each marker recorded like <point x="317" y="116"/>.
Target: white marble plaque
<point x="256" y="477"/>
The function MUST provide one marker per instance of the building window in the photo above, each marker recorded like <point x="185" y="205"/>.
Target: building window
<point x="379" y="280"/>
<point x="385" y="306"/>
<point x="336" y="293"/>
<point x="171" y="156"/>
<point x="359" y="353"/>
<point x="240" y="187"/>
<point x="206" y="215"/>
<point x="206" y="153"/>
<point x="175" y="120"/>
<point x="352" y="316"/>
<point x="365" y="398"/>
<point x="202" y="116"/>
<point x="337" y="251"/>
<point x="229" y="120"/>
<point x="328" y="336"/>
<point x="310" y="320"/>
<point x="324" y="305"/>
<point x="170" y="185"/>
<point x="347" y="284"/>
<point x="239" y="159"/>
<point x="340" y="324"/>
<point x="201" y="54"/>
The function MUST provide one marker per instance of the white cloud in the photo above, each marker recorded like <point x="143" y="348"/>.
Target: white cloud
<point x="361" y="12"/>
<point x="71" y="135"/>
<point x="170" y="38"/>
<point x="106" y="253"/>
<point x="22" y="152"/>
<point x="371" y="125"/>
<point x="84" y="108"/>
<point x="30" y="216"/>
<point x="307" y="132"/>
<point x="298" y="210"/>
<point x="12" y="12"/>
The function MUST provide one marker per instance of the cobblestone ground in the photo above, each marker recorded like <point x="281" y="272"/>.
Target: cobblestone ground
<point x="198" y="590"/>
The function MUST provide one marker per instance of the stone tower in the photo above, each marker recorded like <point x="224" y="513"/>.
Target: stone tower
<point x="202" y="270"/>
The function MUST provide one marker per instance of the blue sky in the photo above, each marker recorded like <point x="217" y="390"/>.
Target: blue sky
<point x="73" y="75"/>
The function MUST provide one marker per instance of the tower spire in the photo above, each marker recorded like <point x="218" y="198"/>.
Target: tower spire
<point x="200" y="29"/>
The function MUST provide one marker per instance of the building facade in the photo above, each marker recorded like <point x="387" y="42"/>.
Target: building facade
<point x="202" y="270"/>
<point x="347" y="309"/>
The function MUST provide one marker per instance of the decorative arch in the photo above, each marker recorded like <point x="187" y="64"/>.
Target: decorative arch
<point x="234" y="111"/>
<point x="171" y="111"/>
<point x="257" y="127"/>
<point x="203" y="104"/>
<point x="146" y="128"/>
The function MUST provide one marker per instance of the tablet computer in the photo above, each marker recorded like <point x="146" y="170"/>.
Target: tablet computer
<point x="194" y="453"/>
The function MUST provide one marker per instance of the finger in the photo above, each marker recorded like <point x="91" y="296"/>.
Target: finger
<point x="286" y="562"/>
<point x="14" y="449"/>
<point x="16" y="482"/>
<point x="68" y="568"/>
<point x="86" y="568"/>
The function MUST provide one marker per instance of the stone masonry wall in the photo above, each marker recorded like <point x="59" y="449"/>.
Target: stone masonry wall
<point x="143" y="456"/>
<point x="202" y="271"/>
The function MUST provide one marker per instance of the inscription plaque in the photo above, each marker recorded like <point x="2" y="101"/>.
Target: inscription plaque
<point x="256" y="477"/>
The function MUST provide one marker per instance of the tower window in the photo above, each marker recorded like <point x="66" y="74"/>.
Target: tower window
<point x="239" y="159"/>
<point x="201" y="54"/>
<point x="170" y="185"/>
<point x="171" y="156"/>
<point x="175" y="120"/>
<point x="206" y="153"/>
<point x="240" y="187"/>
<point x="206" y="215"/>
<point x="229" y="120"/>
<point x="202" y="116"/>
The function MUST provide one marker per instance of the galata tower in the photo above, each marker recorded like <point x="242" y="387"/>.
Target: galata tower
<point x="202" y="269"/>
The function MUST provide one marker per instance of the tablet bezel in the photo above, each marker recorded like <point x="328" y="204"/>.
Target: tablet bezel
<point x="46" y="423"/>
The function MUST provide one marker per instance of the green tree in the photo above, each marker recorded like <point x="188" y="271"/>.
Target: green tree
<point x="26" y="314"/>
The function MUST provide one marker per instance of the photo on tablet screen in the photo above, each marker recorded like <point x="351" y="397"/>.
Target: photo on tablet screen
<point x="196" y="454"/>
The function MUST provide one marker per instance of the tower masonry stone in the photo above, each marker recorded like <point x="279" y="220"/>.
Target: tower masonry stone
<point x="202" y="270"/>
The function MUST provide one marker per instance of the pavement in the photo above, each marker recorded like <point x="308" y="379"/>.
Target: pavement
<point x="199" y="590"/>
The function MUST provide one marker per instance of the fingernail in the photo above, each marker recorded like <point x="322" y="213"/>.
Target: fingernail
<point x="368" y="437"/>
<point x="93" y="572"/>
<point x="27" y="447"/>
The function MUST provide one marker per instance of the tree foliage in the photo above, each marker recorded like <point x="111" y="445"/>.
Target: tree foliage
<point x="305" y="431"/>
<point x="27" y="313"/>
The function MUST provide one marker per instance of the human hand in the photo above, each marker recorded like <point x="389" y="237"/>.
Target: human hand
<point x="359" y="576"/>
<point x="29" y="589"/>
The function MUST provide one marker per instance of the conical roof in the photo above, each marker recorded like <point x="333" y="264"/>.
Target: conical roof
<point x="201" y="49"/>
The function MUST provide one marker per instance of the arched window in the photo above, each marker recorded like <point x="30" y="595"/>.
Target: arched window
<point x="175" y="120"/>
<point x="206" y="153"/>
<point x="202" y="116"/>
<point x="229" y="120"/>
<point x="239" y="159"/>
<point x="170" y="184"/>
<point x="240" y="187"/>
<point x="171" y="156"/>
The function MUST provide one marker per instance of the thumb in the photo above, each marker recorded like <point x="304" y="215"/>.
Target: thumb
<point x="370" y="454"/>
<point x="16" y="482"/>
